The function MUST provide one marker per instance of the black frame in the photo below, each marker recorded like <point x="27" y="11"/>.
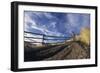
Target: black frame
<point x="14" y="35"/>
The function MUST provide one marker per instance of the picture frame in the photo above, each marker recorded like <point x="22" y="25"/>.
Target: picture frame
<point x="68" y="33"/>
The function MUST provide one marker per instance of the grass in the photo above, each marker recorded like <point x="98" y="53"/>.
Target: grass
<point x="85" y="35"/>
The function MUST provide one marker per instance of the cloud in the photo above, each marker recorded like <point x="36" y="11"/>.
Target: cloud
<point x="48" y="15"/>
<point x="31" y="23"/>
<point x="55" y="24"/>
<point x="28" y="21"/>
<point x="73" y="19"/>
<point x="76" y="21"/>
<point x="31" y="39"/>
<point x="44" y="28"/>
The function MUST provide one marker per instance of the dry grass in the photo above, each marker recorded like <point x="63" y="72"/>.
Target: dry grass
<point x="85" y="36"/>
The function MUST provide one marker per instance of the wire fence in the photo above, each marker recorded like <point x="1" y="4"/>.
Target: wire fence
<point x="42" y="38"/>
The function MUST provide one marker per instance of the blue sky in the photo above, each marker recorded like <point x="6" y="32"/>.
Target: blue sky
<point x="58" y="24"/>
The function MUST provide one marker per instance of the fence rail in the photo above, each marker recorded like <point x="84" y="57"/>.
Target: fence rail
<point x="44" y="38"/>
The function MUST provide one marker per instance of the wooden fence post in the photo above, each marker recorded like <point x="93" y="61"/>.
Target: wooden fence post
<point x="43" y="40"/>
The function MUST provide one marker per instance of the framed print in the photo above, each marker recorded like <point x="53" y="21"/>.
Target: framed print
<point x="52" y="36"/>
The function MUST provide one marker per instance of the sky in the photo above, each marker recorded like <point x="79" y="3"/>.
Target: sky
<point x="55" y="23"/>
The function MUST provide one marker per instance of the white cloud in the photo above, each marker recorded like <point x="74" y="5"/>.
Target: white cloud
<point x="53" y="24"/>
<point x="32" y="39"/>
<point x="73" y="20"/>
<point x="32" y="35"/>
<point x="28" y="20"/>
<point x="86" y="21"/>
<point x="44" y="29"/>
<point x="48" y="15"/>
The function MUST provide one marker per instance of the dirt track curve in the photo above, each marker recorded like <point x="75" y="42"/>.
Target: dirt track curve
<point x="68" y="51"/>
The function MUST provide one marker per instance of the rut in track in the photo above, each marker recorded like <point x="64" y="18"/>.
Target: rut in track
<point x="41" y="54"/>
<point x="72" y="50"/>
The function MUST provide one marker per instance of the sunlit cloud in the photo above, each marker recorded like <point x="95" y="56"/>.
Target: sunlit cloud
<point x="57" y="24"/>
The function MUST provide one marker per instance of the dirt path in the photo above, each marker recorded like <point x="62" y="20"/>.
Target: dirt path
<point x="68" y="51"/>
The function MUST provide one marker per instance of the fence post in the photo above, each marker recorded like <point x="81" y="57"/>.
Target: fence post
<point x="43" y="40"/>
